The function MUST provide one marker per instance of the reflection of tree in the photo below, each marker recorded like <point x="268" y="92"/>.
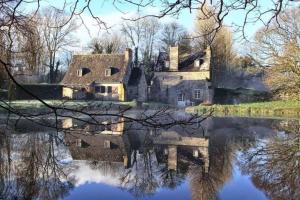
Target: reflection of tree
<point x="205" y="186"/>
<point x="35" y="172"/>
<point x="275" y="165"/>
<point x="141" y="179"/>
<point x="5" y="165"/>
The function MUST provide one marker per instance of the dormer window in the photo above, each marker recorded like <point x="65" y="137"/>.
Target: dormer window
<point x="108" y="72"/>
<point x="83" y="71"/>
<point x="197" y="63"/>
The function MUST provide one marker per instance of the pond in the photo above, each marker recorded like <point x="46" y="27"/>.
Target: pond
<point x="224" y="158"/>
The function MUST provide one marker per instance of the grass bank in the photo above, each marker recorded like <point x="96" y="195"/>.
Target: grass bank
<point x="36" y="105"/>
<point x="258" y="109"/>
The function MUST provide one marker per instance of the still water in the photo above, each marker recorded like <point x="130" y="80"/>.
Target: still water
<point x="224" y="158"/>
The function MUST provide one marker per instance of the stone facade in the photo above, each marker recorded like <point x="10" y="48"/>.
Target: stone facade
<point x="185" y="82"/>
<point x="137" y="85"/>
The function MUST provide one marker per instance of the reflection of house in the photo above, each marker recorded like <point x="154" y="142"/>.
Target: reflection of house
<point x="102" y="76"/>
<point x="182" y="81"/>
<point x="111" y="126"/>
<point x="193" y="148"/>
<point x="105" y="148"/>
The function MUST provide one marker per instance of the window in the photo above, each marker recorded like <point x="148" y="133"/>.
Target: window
<point x="180" y="97"/>
<point x="102" y="89"/>
<point x="109" y="89"/>
<point x="197" y="94"/>
<point x="83" y="71"/>
<point x="97" y="89"/>
<point x="108" y="72"/>
<point x="79" y="72"/>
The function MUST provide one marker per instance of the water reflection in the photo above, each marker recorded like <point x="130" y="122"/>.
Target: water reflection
<point x="39" y="163"/>
<point x="275" y="164"/>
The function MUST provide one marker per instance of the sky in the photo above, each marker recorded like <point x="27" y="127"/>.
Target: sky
<point x="113" y="16"/>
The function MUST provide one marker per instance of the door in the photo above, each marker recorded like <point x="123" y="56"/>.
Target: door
<point x="180" y="99"/>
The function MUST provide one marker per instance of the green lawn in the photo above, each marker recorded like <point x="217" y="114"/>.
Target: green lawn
<point x="271" y="108"/>
<point x="75" y="104"/>
<point x="35" y="104"/>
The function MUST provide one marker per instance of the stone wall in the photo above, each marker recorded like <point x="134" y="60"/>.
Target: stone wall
<point x="132" y="92"/>
<point x="167" y="85"/>
<point x="200" y="75"/>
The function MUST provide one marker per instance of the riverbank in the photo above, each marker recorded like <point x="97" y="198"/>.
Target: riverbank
<point x="35" y="105"/>
<point x="258" y="109"/>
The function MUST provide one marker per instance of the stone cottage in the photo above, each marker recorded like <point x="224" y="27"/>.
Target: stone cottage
<point x="182" y="80"/>
<point x="105" y="77"/>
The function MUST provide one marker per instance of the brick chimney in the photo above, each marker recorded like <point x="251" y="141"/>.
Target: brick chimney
<point x="174" y="58"/>
<point x="128" y="55"/>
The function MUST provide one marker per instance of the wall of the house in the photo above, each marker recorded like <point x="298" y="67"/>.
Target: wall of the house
<point x="117" y="93"/>
<point x="167" y="85"/>
<point x="132" y="92"/>
<point x="138" y="92"/>
<point x="72" y="93"/>
<point x="67" y="92"/>
<point x="142" y="90"/>
<point x="200" y="75"/>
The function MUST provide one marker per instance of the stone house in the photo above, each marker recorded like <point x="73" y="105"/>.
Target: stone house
<point x="105" y="77"/>
<point x="182" y="80"/>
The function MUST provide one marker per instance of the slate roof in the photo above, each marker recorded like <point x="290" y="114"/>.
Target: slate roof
<point x="186" y="63"/>
<point x="96" y="65"/>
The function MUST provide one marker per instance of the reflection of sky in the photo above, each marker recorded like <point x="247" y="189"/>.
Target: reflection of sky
<point x="103" y="191"/>
<point x="240" y="187"/>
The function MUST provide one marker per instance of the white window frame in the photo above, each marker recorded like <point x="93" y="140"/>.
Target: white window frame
<point x="197" y="93"/>
<point x="180" y="97"/>
<point x="107" y="72"/>
<point x="79" y="72"/>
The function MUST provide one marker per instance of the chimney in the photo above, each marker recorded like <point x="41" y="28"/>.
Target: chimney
<point x="174" y="58"/>
<point x="206" y="61"/>
<point x="128" y="55"/>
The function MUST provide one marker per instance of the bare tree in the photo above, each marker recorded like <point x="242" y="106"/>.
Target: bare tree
<point x="133" y="31"/>
<point x="150" y="32"/>
<point x="57" y="32"/>
<point x="174" y="34"/>
<point x="107" y="43"/>
<point x="32" y="47"/>
<point x="142" y="35"/>
<point x="219" y="38"/>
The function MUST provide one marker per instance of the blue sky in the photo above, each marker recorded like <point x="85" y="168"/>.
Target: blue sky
<point x="112" y="15"/>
